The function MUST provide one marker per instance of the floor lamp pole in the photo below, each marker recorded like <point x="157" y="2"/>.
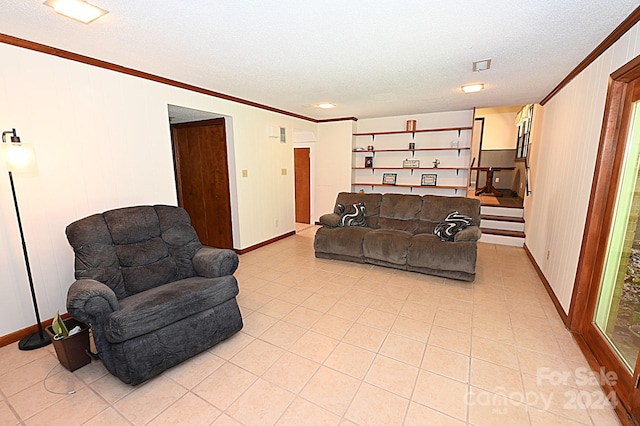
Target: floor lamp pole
<point x="40" y="338"/>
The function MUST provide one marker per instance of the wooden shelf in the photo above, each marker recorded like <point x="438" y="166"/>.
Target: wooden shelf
<point x="444" y="129"/>
<point x="399" y="185"/>
<point x="411" y="150"/>
<point x="409" y="168"/>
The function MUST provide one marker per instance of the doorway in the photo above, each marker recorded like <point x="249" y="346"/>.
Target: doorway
<point x="605" y="308"/>
<point x="302" y="171"/>
<point x="202" y="178"/>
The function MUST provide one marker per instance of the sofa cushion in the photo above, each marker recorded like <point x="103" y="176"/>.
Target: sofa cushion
<point x="371" y="204"/>
<point x="435" y="208"/>
<point x="353" y="216"/>
<point x="427" y="251"/>
<point x="158" y="307"/>
<point x="343" y="241"/>
<point x="452" y="224"/>
<point x="388" y="245"/>
<point x="400" y="212"/>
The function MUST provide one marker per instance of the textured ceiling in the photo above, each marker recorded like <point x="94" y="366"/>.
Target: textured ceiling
<point x="371" y="58"/>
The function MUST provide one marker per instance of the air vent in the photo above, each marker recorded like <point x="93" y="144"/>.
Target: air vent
<point x="483" y="65"/>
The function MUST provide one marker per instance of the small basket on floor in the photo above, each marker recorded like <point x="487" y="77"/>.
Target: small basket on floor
<point x="72" y="350"/>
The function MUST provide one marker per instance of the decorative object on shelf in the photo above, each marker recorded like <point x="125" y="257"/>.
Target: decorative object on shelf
<point x="429" y="179"/>
<point x="20" y="158"/>
<point x="389" y="178"/>
<point x="410" y="164"/>
<point x="368" y="162"/>
<point x="370" y="147"/>
<point x="455" y="144"/>
<point x="412" y="145"/>
<point x="359" y="148"/>
<point x="411" y="125"/>
<point x="436" y="163"/>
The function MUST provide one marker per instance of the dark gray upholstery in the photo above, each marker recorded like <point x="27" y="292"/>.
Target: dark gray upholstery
<point x="154" y="296"/>
<point x="400" y="234"/>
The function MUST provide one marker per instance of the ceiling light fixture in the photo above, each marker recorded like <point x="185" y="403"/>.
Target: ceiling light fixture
<point x="77" y="9"/>
<point x="472" y="88"/>
<point x="326" y="105"/>
<point x="483" y="65"/>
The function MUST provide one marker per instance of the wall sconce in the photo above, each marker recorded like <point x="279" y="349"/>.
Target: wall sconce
<point x="20" y="158"/>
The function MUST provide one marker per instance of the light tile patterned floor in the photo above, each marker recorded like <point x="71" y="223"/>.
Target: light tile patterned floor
<point x="329" y="342"/>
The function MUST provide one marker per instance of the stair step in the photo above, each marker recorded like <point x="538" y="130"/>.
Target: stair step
<point x="502" y="218"/>
<point x="502" y="211"/>
<point x="502" y="225"/>
<point x="505" y="233"/>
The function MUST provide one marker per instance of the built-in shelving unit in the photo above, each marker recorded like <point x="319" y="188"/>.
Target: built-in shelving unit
<point x="450" y="147"/>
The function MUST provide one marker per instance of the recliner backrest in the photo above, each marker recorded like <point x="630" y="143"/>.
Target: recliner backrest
<point x="133" y="249"/>
<point x="435" y="209"/>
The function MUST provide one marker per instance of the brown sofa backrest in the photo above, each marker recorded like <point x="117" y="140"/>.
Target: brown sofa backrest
<point x="435" y="208"/>
<point x="371" y="205"/>
<point x="400" y="211"/>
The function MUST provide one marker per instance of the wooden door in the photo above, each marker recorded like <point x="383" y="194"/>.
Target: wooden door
<point x="202" y="178"/>
<point x="598" y="313"/>
<point x="302" y="166"/>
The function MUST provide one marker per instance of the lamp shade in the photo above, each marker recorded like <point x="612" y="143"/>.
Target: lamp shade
<point x="20" y="158"/>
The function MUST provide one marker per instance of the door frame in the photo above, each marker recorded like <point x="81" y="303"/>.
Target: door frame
<point x="606" y="177"/>
<point x="230" y="170"/>
<point x="312" y="178"/>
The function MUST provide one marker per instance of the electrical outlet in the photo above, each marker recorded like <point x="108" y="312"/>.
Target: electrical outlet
<point x="548" y="254"/>
<point x="277" y="223"/>
<point x="283" y="172"/>
<point x="497" y="180"/>
<point x="245" y="173"/>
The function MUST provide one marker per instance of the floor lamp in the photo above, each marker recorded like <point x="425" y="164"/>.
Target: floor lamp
<point x="20" y="158"/>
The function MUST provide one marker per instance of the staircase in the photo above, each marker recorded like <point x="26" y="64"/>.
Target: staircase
<point x="502" y="225"/>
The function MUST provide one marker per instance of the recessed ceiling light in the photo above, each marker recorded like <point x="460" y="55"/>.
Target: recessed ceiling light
<point x="471" y="88"/>
<point x="326" y="105"/>
<point x="483" y="65"/>
<point x="77" y="9"/>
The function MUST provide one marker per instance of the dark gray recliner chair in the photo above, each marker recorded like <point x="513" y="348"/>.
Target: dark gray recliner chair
<point x="153" y="294"/>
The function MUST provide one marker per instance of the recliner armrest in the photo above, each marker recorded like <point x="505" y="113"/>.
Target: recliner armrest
<point x="214" y="262"/>
<point x="90" y="300"/>
<point x="470" y="233"/>
<point x="330" y="220"/>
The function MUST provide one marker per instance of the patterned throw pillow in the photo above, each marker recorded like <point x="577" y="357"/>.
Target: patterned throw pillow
<point x="353" y="217"/>
<point x="453" y="223"/>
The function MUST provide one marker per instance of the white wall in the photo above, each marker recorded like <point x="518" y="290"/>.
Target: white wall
<point x="500" y="131"/>
<point x="102" y="141"/>
<point x="562" y="160"/>
<point x="332" y="163"/>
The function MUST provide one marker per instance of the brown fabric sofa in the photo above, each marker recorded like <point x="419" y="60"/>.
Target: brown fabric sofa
<point x="399" y="234"/>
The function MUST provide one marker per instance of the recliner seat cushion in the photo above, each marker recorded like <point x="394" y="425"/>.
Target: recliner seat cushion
<point x="156" y="308"/>
<point x="387" y="245"/>
<point x="345" y="241"/>
<point x="428" y="251"/>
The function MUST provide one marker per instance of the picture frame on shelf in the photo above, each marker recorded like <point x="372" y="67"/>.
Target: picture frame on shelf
<point x="411" y="164"/>
<point x="368" y="162"/>
<point x="389" y="178"/>
<point x="429" y="179"/>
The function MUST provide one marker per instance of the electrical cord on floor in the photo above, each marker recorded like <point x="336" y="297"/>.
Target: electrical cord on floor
<point x="71" y="392"/>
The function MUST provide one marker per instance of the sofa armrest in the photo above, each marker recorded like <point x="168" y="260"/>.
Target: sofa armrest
<point x="470" y="233"/>
<point x="89" y="301"/>
<point x="330" y="220"/>
<point x="214" y="262"/>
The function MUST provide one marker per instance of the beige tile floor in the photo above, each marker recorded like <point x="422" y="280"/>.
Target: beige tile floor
<point x="330" y="342"/>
